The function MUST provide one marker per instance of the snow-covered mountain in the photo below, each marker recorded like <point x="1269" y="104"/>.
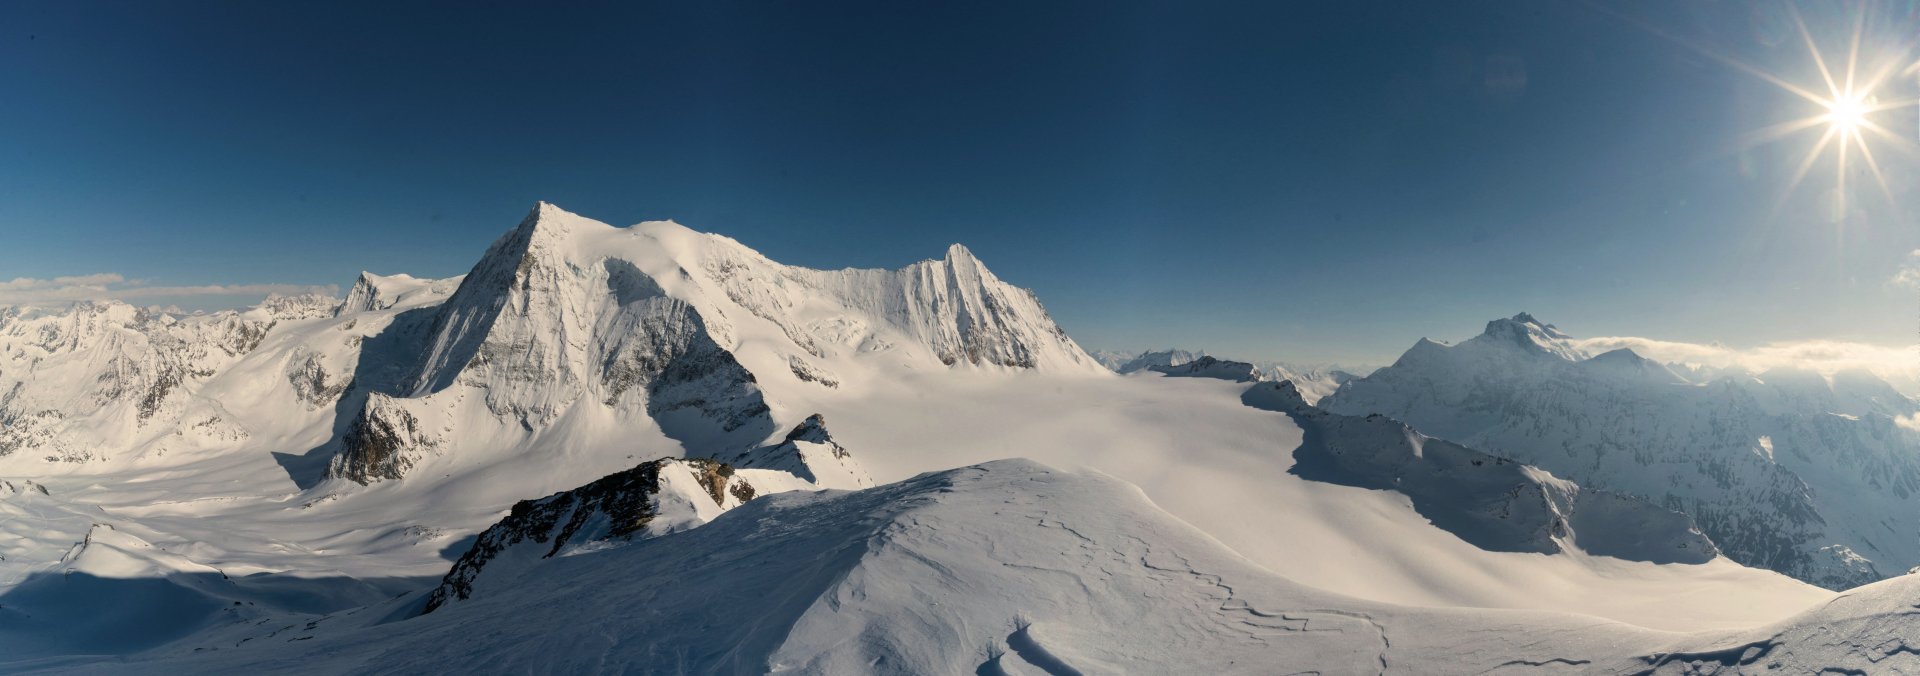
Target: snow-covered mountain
<point x="1313" y="382"/>
<point x="564" y="323"/>
<point x="1814" y="476"/>
<point x="626" y="429"/>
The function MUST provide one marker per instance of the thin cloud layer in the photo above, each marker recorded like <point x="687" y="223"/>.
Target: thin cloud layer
<point x="112" y="286"/>
<point x="1899" y="366"/>
<point x="1909" y="274"/>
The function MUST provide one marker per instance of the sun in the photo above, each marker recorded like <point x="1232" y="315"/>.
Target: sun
<point x="1850" y="108"/>
<point x="1844" y="102"/>
<point x="1847" y="113"/>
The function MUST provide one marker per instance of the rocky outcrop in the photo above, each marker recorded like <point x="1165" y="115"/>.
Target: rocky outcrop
<point x="312" y="383"/>
<point x="384" y="442"/>
<point x="810" y="453"/>
<point x="1209" y="367"/>
<point x="651" y="499"/>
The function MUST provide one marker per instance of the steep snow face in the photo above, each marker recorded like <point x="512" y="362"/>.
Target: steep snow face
<point x="1006" y="567"/>
<point x="566" y="317"/>
<point x="380" y="292"/>
<point x="1809" y="476"/>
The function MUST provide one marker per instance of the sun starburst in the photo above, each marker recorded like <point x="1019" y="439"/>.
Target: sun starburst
<point x="1846" y="104"/>
<point x="1847" y="109"/>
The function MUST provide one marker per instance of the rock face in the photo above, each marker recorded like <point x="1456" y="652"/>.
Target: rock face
<point x="383" y="443"/>
<point x="1492" y="502"/>
<point x="649" y="500"/>
<point x="1811" y="476"/>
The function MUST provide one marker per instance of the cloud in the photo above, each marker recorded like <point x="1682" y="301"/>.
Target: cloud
<point x="113" y="286"/>
<point x="1899" y="366"/>
<point x="1909" y="274"/>
<point x="1911" y="422"/>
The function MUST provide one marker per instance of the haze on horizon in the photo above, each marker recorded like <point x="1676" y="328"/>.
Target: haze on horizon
<point x="1264" y="180"/>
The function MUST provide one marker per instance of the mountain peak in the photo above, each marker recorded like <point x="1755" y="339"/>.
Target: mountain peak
<point x="547" y="219"/>
<point x="1525" y="331"/>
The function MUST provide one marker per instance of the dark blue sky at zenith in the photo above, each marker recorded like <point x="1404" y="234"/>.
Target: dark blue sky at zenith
<point x="1316" y="181"/>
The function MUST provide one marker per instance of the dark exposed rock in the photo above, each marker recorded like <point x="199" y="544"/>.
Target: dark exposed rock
<point x="617" y="507"/>
<point x="382" y="443"/>
<point x="1209" y="367"/>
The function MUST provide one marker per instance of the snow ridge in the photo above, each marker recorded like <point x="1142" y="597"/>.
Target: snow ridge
<point x="1787" y="471"/>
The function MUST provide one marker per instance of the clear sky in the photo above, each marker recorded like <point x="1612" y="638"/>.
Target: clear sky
<point x="1317" y="181"/>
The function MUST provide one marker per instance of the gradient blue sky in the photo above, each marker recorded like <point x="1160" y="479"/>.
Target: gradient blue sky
<point x="1315" y="181"/>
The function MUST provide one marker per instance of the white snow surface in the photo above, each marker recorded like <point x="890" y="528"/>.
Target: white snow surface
<point x="204" y="455"/>
<point x="1001" y="568"/>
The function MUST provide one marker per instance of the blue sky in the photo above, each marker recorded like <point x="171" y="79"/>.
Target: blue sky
<point x="1315" y="181"/>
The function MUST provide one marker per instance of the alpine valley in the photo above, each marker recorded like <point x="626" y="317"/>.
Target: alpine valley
<point x="653" y="450"/>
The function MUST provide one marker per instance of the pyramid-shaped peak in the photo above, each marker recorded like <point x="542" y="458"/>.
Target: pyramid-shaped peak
<point x="547" y="218"/>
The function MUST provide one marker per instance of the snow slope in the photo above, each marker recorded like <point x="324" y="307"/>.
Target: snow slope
<point x="1811" y="476"/>
<point x="316" y="456"/>
<point x="1007" y="567"/>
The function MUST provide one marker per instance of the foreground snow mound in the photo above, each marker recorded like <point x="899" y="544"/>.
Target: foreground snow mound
<point x="1002" y="568"/>
<point x="1804" y="474"/>
<point x="1869" y="630"/>
<point x="1492" y="502"/>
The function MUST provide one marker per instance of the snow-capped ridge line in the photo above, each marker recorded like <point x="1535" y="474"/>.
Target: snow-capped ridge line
<point x="1761" y="463"/>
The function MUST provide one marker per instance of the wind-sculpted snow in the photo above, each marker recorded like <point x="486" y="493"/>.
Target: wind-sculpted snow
<point x="1807" y="475"/>
<point x="1492" y="502"/>
<point x="1006" y="567"/>
<point x="1873" y="629"/>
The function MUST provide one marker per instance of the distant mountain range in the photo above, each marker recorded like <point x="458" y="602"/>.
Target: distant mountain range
<point x="1816" y="476"/>
<point x="608" y="449"/>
